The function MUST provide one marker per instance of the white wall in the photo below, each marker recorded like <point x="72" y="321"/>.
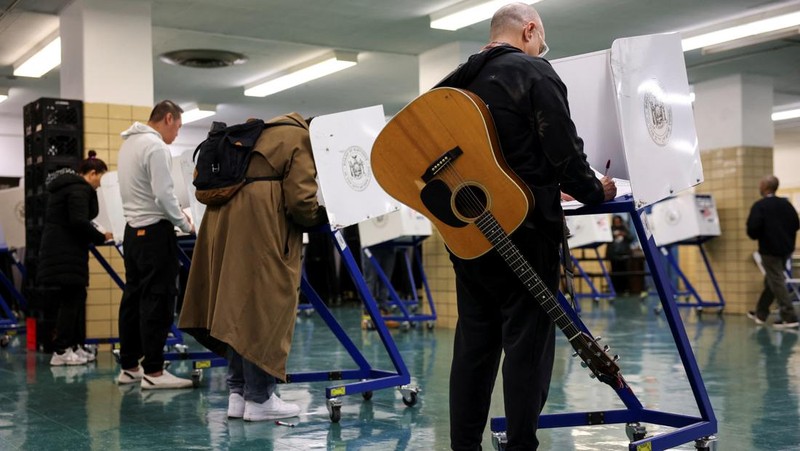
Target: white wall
<point x="12" y="150"/>
<point x="786" y="158"/>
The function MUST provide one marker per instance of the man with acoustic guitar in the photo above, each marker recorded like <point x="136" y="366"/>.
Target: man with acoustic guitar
<point x="496" y="312"/>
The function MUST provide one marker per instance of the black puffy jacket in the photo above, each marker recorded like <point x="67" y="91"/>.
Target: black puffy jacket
<point x="68" y="231"/>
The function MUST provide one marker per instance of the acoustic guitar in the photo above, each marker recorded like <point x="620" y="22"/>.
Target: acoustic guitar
<point x="440" y="156"/>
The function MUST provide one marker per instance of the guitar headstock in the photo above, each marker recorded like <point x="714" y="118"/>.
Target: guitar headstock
<point x="597" y="359"/>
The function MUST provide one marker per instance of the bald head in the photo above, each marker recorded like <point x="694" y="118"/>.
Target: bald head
<point x="519" y="25"/>
<point x="768" y="185"/>
<point x="511" y="18"/>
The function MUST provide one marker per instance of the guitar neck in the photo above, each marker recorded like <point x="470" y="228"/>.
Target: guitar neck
<point x="500" y="240"/>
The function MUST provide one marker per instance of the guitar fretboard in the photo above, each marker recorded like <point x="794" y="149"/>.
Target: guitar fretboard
<point x="492" y="230"/>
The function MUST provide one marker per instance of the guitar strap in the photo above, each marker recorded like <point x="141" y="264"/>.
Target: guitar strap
<point x="566" y="262"/>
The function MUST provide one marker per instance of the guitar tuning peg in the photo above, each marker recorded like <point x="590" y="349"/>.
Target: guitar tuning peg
<point x="584" y="365"/>
<point x="616" y="357"/>
<point x="575" y="354"/>
<point x="606" y="348"/>
<point x="597" y="338"/>
<point x="592" y="376"/>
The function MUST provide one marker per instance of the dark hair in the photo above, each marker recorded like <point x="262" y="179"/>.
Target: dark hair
<point x="162" y="108"/>
<point x="92" y="163"/>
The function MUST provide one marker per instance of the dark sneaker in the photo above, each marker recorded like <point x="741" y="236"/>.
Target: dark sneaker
<point x="783" y="324"/>
<point x="752" y="315"/>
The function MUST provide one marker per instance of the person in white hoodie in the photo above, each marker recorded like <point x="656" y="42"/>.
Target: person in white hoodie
<point x="151" y="209"/>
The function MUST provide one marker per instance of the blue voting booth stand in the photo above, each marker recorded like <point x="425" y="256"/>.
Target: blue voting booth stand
<point x="634" y="114"/>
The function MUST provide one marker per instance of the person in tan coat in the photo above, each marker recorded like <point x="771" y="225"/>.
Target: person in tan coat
<point x="242" y="292"/>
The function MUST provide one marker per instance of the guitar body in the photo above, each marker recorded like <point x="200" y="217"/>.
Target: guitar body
<point x="440" y="156"/>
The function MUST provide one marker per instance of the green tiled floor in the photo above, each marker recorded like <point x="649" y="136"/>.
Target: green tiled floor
<point x="751" y="373"/>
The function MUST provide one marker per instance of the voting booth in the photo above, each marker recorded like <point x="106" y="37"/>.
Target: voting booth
<point x="12" y="218"/>
<point x="12" y="237"/>
<point x="631" y="106"/>
<point x="341" y="144"/>
<point x="403" y="226"/>
<point x="688" y="217"/>
<point x="587" y="233"/>
<point x="589" y="230"/>
<point x="682" y="221"/>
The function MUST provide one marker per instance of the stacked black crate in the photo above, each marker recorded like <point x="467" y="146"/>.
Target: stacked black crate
<point x="53" y="141"/>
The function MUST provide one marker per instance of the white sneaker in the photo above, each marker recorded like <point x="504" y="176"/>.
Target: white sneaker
<point x="89" y="356"/>
<point x="271" y="409"/>
<point x="130" y="377"/>
<point x="235" y="405"/>
<point x="67" y="358"/>
<point x="166" y="380"/>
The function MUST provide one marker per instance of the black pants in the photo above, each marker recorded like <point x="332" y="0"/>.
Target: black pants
<point x="496" y="314"/>
<point x="147" y="309"/>
<point x="71" y="321"/>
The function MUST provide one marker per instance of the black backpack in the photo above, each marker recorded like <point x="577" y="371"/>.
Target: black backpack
<point x="222" y="159"/>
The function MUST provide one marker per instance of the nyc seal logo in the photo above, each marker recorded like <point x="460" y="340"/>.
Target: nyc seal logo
<point x="657" y="114"/>
<point x="355" y="167"/>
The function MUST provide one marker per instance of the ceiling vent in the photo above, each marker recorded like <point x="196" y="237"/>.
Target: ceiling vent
<point x="203" y="58"/>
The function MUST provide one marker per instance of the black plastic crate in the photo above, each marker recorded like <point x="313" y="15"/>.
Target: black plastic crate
<point x="46" y="145"/>
<point x="53" y="114"/>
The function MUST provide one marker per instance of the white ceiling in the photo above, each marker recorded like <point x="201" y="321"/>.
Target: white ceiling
<point x="388" y="34"/>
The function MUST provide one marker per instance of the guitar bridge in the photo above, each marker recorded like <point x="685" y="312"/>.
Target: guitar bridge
<point x="441" y="163"/>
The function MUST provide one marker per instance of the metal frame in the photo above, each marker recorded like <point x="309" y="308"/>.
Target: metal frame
<point x="10" y="325"/>
<point x="369" y="378"/>
<point x="595" y="294"/>
<point x="690" y="290"/>
<point x="407" y="316"/>
<point x="700" y="429"/>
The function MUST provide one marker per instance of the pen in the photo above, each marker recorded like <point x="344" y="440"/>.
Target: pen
<point x="608" y="165"/>
<point x="282" y="423"/>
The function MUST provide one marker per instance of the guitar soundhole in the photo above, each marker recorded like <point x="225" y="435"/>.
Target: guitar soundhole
<point x="470" y="201"/>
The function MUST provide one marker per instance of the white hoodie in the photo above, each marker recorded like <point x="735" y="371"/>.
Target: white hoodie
<point x="145" y="182"/>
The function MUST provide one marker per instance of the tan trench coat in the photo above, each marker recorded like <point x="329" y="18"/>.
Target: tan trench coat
<point x="245" y="273"/>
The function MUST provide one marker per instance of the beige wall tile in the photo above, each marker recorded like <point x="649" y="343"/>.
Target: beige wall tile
<point x="95" y="141"/>
<point x="95" y="110"/>
<point x="120" y="112"/>
<point x="141" y="113"/>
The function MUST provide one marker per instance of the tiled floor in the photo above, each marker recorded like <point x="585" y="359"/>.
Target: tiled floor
<point x="751" y="373"/>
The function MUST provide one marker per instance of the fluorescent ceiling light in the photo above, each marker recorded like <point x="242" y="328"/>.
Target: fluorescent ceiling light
<point x="195" y="112"/>
<point x="786" y="115"/>
<point x="3" y="94"/>
<point x="42" y="61"/>
<point x="467" y="13"/>
<point x="769" y="25"/>
<point x="302" y="73"/>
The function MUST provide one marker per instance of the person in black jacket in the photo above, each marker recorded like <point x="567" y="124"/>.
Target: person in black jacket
<point x="773" y="221"/>
<point x="64" y="253"/>
<point x="496" y="312"/>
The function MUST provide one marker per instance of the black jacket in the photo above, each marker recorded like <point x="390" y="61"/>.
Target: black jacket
<point x="528" y="102"/>
<point x="774" y="223"/>
<point x="64" y="253"/>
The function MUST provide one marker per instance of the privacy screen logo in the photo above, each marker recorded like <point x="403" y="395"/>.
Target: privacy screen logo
<point x="657" y="113"/>
<point x="355" y="167"/>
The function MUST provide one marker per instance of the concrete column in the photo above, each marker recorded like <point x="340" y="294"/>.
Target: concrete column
<point x="736" y="135"/>
<point x="106" y="52"/>
<point x="107" y="61"/>
<point x="434" y="65"/>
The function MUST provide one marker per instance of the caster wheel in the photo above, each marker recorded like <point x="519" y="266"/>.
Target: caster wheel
<point x="367" y="395"/>
<point x="115" y="353"/>
<point x="430" y="325"/>
<point x="411" y="400"/>
<point x="405" y="326"/>
<point x="197" y="376"/>
<point x="4" y="341"/>
<point x="336" y="414"/>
